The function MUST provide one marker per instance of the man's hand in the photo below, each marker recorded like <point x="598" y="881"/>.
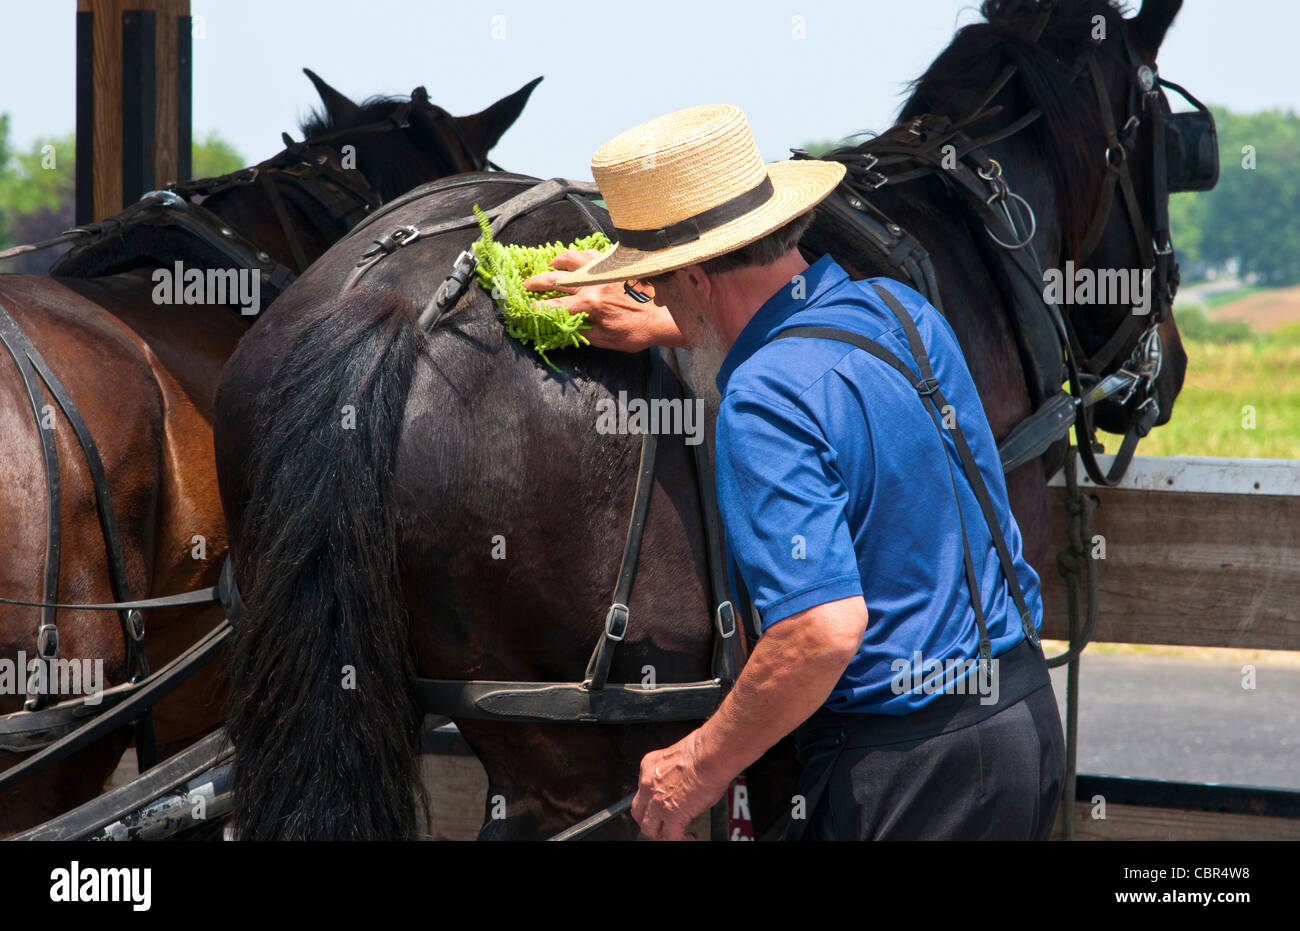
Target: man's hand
<point x="674" y="789"/>
<point x="617" y="321"/>
<point x="790" y="673"/>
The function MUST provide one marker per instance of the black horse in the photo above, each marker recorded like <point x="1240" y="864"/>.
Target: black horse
<point x="373" y="472"/>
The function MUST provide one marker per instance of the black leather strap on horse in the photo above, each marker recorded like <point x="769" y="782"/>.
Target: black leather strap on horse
<point x="132" y="622"/>
<point x="618" y="615"/>
<point x="901" y="249"/>
<point x="537" y="195"/>
<point x="570" y="702"/>
<point x="728" y="651"/>
<point x="135" y="706"/>
<point x="286" y="225"/>
<point x="25" y="731"/>
<point x="47" y="633"/>
<point x="137" y="664"/>
<point x="28" y="731"/>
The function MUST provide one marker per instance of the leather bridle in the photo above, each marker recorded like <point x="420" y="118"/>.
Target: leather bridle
<point x="1135" y="379"/>
<point x="933" y="146"/>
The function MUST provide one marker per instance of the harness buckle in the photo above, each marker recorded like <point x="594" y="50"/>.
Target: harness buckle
<point x="135" y="624"/>
<point x="390" y="242"/>
<point x="47" y="641"/>
<point x="1147" y="411"/>
<point x="993" y="172"/>
<point x="616" y="620"/>
<point x="1121" y="381"/>
<point x="926" y="387"/>
<point x="725" y="617"/>
<point x="867" y="167"/>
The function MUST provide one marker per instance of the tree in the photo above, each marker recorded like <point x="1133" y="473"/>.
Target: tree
<point x="39" y="181"/>
<point x="38" y="188"/>
<point x="1253" y="214"/>
<point x="214" y="156"/>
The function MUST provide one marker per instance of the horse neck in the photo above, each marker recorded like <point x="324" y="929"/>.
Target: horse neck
<point x="248" y="210"/>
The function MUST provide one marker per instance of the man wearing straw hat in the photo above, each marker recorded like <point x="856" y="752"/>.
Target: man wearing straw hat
<point x="865" y="510"/>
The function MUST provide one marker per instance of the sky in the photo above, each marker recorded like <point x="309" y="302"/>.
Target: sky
<point x="802" y="70"/>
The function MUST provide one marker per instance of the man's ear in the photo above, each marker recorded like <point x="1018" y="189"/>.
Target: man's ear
<point x="695" y="278"/>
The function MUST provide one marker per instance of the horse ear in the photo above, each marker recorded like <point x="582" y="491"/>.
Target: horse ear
<point x="420" y="95"/>
<point x="485" y="129"/>
<point x="337" y="105"/>
<point x="1153" y="21"/>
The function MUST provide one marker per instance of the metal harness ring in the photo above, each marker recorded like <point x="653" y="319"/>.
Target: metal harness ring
<point x="1008" y="194"/>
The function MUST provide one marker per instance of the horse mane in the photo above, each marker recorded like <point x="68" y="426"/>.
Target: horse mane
<point x="1068" y="136"/>
<point x="389" y="176"/>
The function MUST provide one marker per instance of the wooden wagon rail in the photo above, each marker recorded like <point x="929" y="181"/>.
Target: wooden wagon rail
<point x="1198" y="552"/>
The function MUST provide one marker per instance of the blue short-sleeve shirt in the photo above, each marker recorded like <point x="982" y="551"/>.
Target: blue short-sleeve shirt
<point x="831" y="483"/>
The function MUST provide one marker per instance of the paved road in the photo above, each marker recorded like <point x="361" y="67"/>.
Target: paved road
<point x="1207" y="289"/>
<point x="1187" y="719"/>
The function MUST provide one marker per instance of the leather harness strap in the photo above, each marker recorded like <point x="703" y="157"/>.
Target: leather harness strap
<point x="29" y="361"/>
<point x="616" y="619"/>
<point x="132" y="706"/>
<point x="282" y="217"/>
<point x="47" y="633"/>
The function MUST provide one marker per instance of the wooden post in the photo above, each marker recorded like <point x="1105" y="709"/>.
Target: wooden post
<point x="133" y="101"/>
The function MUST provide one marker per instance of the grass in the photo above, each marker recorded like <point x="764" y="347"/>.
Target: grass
<point x="1225" y="384"/>
<point x="1240" y="397"/>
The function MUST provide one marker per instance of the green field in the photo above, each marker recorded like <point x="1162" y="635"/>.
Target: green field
<point x="1232" y="371"/>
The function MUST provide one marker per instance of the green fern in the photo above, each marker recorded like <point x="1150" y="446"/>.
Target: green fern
<point x="502" y="271"/>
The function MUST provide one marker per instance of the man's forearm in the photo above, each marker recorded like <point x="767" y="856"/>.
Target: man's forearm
<point x="785" y="680"/>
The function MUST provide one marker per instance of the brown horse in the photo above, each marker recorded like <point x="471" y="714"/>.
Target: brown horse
<point x="144" y="377"/>
<point x="468" y="522"/>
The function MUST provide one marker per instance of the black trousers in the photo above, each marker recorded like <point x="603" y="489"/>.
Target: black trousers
<point x="991" y="773"/>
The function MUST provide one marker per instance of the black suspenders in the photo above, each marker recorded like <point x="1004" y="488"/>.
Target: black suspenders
<point x="928" y="390"/>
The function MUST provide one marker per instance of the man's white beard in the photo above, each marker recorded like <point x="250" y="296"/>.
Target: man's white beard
<point x="702" y="372"/>
<point x="702" y="364"/>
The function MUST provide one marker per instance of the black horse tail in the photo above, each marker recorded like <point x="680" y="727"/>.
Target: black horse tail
<point x="323" y="711"/>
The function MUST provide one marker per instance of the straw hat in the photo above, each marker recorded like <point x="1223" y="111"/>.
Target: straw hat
<point x="691" y="186"/>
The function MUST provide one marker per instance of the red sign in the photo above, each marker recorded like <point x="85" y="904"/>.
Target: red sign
<point x="739" y="824"/>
